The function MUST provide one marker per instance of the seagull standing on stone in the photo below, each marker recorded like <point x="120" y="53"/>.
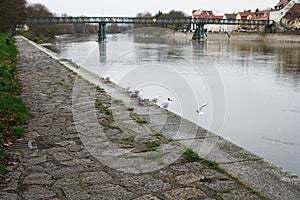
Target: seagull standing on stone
<point x="155" y="99"/>
<point x="128" y="87"/>
<point x="140" y="98"/>
<point x="200" y="112"/>
<point x="108" y="78"/>
<point x="136" y="92"/>
<point x="166" y="103"/>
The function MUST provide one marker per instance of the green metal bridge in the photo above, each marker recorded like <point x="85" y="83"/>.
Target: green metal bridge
<point x="102" y="21"/>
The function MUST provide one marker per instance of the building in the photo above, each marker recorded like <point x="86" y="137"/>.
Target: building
<point x="262" y="15"/>
<point x="246" y="15"/>
<point x="206" y="14"/>
<point x="281" y="4"/>
<point x="281" y="9"/>
<point x="200" y="14"/>
<point x="292" y="17"/>
<point x="227" y="27"/>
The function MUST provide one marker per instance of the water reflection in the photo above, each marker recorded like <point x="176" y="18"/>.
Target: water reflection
<point x="102" y="52"/>
<point x="284" y="59"/>
<point x="288" y="62"/>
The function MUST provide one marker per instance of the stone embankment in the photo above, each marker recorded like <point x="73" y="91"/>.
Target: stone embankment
<point x="271" y="38"/>
<point x="98" y="143"/>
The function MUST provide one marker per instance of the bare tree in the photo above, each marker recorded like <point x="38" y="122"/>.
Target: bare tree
<point x="12" y="12"/>
<point x="41" y="31"/>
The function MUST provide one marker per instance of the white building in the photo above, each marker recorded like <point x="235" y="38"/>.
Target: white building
<point x="280" y="12"/>
<point x="228" y="28"/>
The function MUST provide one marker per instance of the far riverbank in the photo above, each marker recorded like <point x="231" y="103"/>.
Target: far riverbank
<point x="284" y="38"/>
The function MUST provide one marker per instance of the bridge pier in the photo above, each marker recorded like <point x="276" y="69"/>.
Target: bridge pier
<point x="199" y="32"/>
<point x="101" y="32"/>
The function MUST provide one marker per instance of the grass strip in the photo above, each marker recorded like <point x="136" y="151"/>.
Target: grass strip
<point x="13" y="112"/>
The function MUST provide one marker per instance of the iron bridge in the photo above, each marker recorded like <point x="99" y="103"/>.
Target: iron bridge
<point x="102" y="21"/>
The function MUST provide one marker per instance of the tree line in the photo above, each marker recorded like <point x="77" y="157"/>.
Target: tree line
<point x="14" y="12"/>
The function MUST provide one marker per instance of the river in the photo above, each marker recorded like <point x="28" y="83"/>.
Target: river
<point x="252" y="89"/>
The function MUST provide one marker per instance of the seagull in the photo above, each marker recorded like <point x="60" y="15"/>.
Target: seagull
<point x="108" y="78"/>
<point x="128" y="87"/>
<point x="166" y="103"/>
<point x="140" y="98"/>
<point x="155" y="99"/>
<point x="200" y="112"/>
<point x="136" y="92"/>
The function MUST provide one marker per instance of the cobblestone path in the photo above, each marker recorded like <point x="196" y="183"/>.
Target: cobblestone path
<point x="63" y="167"/>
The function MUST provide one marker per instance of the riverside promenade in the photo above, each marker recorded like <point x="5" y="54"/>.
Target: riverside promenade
<point x="99" y="143"/>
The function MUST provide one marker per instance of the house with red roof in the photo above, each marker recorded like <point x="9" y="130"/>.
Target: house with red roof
<point x="281" y="4"/>
<point x="207" y="14"/>
<point x="246" y="15"/>
<point x="292" y="17"/>
<point x="228" y="28"/>
<point x="281" y="9"/>
<point x="261" y="15"/>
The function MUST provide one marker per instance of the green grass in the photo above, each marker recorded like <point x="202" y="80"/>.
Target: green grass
<point x="190" y="156"/>
<point x="119" y="102"/>
<point x="3" y="154"/>
<point x="102" y="108"/>
<point x="99" y="89"/>
<point x="13" y="112"/>
<point x="19" y="131"/>
<point x="31" y="36"/>
<point x="152" y="144"/>
<point x="2" y="169"/>
<point x="129" y="139"/>
<point x="141" y="121"/>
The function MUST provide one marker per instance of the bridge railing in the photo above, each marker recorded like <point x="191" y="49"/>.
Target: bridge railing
<point x="135" y="20"/>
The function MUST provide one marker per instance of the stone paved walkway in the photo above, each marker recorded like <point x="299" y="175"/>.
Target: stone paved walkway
<point x="110" y="158"/>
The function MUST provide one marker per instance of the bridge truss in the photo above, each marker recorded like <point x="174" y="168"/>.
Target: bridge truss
<point x="102" y="21"/>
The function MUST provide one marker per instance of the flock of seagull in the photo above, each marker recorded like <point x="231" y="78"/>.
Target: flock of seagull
<point x="138" y="94"/>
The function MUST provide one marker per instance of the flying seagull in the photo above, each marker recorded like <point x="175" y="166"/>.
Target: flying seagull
<point x="200" y="112"/>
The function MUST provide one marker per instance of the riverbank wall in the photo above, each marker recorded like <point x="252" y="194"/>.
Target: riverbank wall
<point x="272" y="38"/>
<point x="63" y="167"/>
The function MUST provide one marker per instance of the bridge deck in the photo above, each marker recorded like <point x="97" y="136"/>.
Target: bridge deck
<point x="134" y="20"/>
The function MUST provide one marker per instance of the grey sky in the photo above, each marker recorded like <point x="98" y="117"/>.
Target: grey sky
<point x="130" y="8"/>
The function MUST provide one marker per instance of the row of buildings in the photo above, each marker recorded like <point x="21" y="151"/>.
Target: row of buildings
<point x="286" y="13"/>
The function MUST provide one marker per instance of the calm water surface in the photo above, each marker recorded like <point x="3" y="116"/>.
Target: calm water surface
<point x="252" y="89"/>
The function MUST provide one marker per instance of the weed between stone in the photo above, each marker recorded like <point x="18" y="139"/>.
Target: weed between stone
<point x="152" y="144"/>
<point x="141" y="121"/>
<point x="190" y="156"/>
<point x="99" y="89"/>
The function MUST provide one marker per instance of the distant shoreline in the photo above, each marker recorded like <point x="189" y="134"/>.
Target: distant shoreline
<point x="277" y="37"/>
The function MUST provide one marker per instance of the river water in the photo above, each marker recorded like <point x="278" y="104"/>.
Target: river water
<point x="252" y="89"/>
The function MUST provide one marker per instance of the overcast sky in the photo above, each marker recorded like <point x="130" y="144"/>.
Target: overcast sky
<point x="129" y="8"/>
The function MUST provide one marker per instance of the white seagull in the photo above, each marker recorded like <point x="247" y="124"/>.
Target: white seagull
<point x="136" y="93"/>
<point x="166" y="103"/>
<point x="128" y="87"/>
<point x="141" y="98"/>
<point x="200" y="112"/>
<point x="107" y="78"/>
<point x="155" y="99"/>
